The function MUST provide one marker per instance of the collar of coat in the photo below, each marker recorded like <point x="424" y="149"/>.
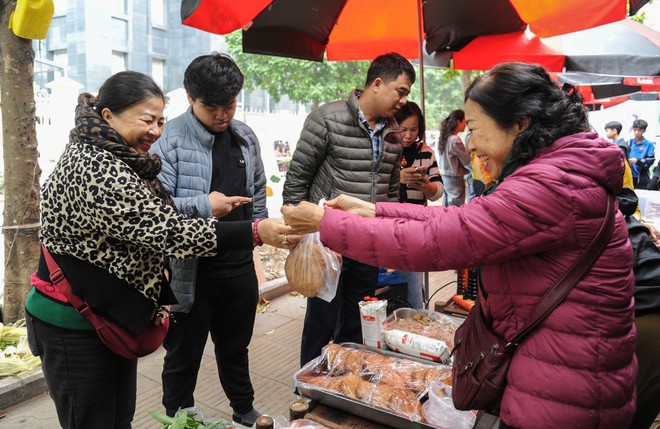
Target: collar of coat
<point x="507" y="169"/>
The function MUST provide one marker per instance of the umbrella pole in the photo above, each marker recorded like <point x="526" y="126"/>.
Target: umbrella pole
<point x="420" y="38"/>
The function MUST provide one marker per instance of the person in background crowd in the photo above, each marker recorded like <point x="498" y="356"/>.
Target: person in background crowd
<point x="613" y="132"/>
<point x="481" y="180"/>
<point x="354" y="147"/>
<point x="209" y="156"/>
<point x="420" y="181"/>
<point x="109" y="225"/>
<point x="454" y="161"/>
<point x="641" y="156"/>
<point x="646" y="266"/>
<point x="548" y="203"/>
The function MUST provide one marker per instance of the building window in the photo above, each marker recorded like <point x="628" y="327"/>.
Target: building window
<point x="118" y="62"/>
<point x="60" y="7"/>
<point x="121" y="7"/>
<point x="61" y="58"/>
<point x="158" y="71"/>
<point x="158" y="13"/>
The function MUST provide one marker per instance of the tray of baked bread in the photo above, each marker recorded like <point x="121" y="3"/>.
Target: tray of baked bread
<point x="379" y="385"/>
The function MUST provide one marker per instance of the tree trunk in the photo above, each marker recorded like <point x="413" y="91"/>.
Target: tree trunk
<point x="21" y="169"/>
<point x="466" y="80"/>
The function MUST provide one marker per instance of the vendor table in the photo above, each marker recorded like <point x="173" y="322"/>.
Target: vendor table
<point x="337" y="419"/>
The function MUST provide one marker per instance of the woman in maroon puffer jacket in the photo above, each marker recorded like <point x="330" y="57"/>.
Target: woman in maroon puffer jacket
<point x="577" y="369"/>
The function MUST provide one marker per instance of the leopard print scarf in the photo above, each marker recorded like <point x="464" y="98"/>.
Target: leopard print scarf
<point x="92" y="129"/>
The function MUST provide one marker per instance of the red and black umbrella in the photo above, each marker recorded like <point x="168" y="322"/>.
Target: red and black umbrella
<point x="364" y="29"/>
<point x="625" y="48"/>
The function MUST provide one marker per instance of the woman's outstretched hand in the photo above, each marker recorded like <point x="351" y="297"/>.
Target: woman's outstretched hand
<point x="277" y="233"/>
<point x="303" y="218"/>
<point x="352" y="205"/>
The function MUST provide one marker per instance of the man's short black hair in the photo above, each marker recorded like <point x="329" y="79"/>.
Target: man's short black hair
<point x="388" y="67"/>
<point x="641" y="124"/>
<point x="214" y="79"/>
<point x="614" y="125"/>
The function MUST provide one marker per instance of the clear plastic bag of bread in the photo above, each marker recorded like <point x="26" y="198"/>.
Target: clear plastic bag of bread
<point x="312" y="269"/>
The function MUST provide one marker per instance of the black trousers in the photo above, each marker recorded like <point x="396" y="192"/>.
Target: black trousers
<point x="340" y="318"/>
<point x="226" y="308"/>
<point x="648" y="377"/>
<point x="91" y="386"/>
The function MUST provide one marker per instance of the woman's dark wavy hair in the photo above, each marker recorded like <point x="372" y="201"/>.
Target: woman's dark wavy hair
<point x="409" y="109"/>
<point x="124" y="89"/>
<point x="448" y="125"/>
<point x="511" y="91"/>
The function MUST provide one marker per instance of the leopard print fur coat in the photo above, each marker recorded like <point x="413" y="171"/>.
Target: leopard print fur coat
<point x="96" y="207"/>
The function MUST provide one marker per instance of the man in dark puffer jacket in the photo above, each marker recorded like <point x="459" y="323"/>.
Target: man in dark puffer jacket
<point x="350" y="147"/>
<point x="646" y="265"/>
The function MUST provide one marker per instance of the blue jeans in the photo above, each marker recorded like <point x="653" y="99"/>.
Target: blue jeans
<point x="91" y="386"/>
<point x="415" y="288"/>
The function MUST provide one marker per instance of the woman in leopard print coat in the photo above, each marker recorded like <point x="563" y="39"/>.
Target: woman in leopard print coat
<point x="110" y="225"/>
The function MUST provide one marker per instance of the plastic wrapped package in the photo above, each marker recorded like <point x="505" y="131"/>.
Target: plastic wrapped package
<point x="421" y="333"/>
<point x="373" y="316"/>
<point x="363" y="380"/>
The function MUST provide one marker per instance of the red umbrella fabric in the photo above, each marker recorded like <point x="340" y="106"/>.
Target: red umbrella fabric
<point x="450" y="24"/>
<point x="624" y="49"/>
<point x="363" y="29"/>
<point x="486" y="52"/>
<point x="220" y="16"/>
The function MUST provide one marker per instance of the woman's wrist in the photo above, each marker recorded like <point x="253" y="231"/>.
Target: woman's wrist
<point x="256" y="240"/>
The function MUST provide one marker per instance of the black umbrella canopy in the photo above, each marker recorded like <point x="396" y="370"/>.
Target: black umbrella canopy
<point x="293" y="28"/>
<point x="624" y="48"/>
<point x="451" y="24"/>
<point x="602" y="86"/>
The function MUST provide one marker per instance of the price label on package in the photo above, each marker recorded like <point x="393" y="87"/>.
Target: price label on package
<point x="373" y="317"/>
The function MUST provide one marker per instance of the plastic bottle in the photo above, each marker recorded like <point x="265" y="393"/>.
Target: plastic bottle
<point x="31" y="18"/>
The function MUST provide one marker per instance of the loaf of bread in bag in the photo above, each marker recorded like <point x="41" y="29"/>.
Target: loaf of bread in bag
<point x="305" y="269"/>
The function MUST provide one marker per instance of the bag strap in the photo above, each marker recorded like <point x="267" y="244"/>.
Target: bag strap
<point x="57" y="277"/>
<point x="567" y="282"/>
